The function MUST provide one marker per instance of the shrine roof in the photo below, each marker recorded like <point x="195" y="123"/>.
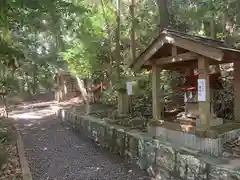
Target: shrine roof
<point x="213" y="49"/>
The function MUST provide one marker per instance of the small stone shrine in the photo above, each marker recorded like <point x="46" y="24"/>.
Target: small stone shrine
<point x="190" y="87"/>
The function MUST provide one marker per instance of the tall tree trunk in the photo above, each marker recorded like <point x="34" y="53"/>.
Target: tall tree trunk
<point x="34" y="88"/>
<point x="28" y="86"/>
<point x="164" y="20"/>
<point x="163" y="13"/>
<point x="132" y="11"/>
<point x="228" y="26"/>
<point x="118" y="52"/>
<point x="83" y="90"/>
<point x="213" y="32"/>
<point x="214" y="68"/>
<point x="111" y="55"/>
<point x="133" y="45"/>
<point x="122" y="96"/>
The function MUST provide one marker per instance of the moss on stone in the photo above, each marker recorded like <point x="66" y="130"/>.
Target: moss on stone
<point x="223" y="128"/>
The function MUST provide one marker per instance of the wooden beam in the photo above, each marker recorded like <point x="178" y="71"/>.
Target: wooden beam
<point x="180" y="68"/>
<point x="188" y="44"/>
<point x="204" y="50"/>
<point x="173" y="59"/>
<point x="149" y="53"/>
<point x="231" y="56"/>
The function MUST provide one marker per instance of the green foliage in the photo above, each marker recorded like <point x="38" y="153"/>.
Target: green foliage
<point x="6" y="133"/>
<point x="3" y="157"/>
<point x="37" y="37"/>
<point x="6" y="137"/>
<point x="109" y="97"/>
<point x="30" y="41"/>
<point x="87" y="45"/>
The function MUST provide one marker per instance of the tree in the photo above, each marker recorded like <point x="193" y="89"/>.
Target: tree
<point x="163" y="13"/>
<point x="37" y="37"/>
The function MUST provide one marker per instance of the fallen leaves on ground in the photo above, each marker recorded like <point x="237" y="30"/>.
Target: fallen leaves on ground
<point x="9" y="158"/>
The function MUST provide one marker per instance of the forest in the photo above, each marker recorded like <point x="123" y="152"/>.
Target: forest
<point x="97" y="39"/>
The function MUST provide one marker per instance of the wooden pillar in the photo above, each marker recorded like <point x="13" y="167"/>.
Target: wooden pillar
<point x="237" y="91"/>
<point x="204" y="105"/>
<point x="57" y="93"/>
<point x="156" y="105"/>
<point x="65" y="88"/>
<point x="61" y="87"/>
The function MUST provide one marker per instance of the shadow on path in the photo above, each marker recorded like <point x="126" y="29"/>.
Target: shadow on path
<point x="56" y="153"/>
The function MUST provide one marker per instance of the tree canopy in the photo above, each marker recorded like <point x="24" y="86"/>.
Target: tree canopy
<point x="38" y="36"/>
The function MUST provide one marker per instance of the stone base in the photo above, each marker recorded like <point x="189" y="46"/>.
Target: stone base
<point x="161" y="158"/>
<point x="208" y="141"/>
<point x="216" y="122"/>
<point x="188" y="140"/>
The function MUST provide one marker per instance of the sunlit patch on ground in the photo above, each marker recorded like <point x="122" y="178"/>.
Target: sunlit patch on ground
<point x="55" y="152"/>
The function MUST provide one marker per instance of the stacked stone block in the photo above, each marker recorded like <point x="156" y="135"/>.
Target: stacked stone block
<point x="160" y="158"/>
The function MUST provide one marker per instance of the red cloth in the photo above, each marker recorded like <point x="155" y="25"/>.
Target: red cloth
<point x="96" y="87"/>
<point x="190" y="83"/>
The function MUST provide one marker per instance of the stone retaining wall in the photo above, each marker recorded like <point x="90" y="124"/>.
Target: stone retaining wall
<point x="160" y="158"/>
<point x="210" y="146"/>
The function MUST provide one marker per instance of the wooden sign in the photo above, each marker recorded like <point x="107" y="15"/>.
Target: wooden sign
<point x="129" y="88"/>
<point x="198" y="123"/>
<point x="185" y="97"/>
<point x="201" y="90"/>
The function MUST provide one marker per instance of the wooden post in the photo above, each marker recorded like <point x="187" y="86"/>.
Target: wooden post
<point x="57" y="91"/>
<point x="156" y="105"/>
<point x="237" y="91"/>
<point x="61" y="87"/>
<point x="204" y="106"/>
<point x="133" y="45"/>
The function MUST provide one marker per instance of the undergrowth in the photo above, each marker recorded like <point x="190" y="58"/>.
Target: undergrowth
<point x="7" y="136"/>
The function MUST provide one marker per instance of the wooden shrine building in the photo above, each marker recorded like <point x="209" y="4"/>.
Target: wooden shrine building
<point x="177" y="51"/>
<point x="66" y="86"/>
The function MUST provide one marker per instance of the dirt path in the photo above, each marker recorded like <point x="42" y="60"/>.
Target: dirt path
<point x="56" y="153"/>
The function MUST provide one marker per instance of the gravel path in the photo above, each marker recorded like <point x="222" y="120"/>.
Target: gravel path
<point x="56" y="153"/>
